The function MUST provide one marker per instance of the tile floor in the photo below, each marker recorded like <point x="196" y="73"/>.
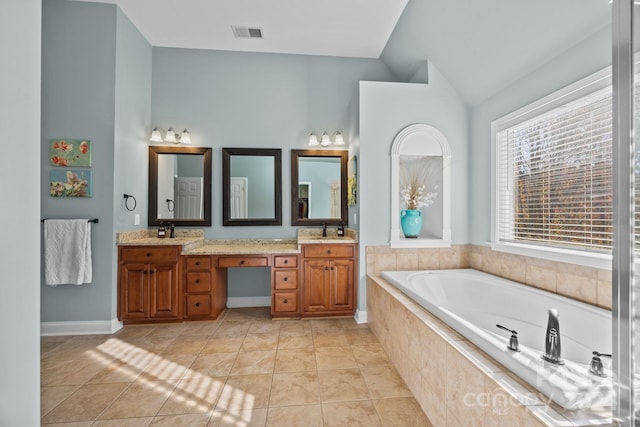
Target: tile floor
<point x="241" y="370"/>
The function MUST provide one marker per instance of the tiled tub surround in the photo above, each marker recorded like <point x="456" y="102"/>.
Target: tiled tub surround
<point x="473" y="303"/>
<point x="454" y="381"/>
<point x="586" y="284"/>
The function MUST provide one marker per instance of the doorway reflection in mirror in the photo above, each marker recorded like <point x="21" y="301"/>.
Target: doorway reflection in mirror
<point x="180" y="186"/>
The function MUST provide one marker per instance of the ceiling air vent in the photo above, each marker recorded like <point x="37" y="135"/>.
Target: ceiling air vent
<point x="246" y="32"/>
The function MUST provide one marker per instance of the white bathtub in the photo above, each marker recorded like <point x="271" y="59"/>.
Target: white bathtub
<point x="473" y="302"/>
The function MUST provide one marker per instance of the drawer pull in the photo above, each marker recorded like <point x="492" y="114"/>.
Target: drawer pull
<point x="329" y="252"/>
<point x="197" y="262"/>
<point x="197" y="280"/>
<point x="148" y="253"/>
<point x="197" y="304"/>
<point x="285" y="279"/>
<point x="286" y="301"/>
<point x="242" y="262"/>
<point x="286" y="261"/>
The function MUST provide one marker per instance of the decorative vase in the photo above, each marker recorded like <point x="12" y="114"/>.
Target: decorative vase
<point x="411" y="222"/>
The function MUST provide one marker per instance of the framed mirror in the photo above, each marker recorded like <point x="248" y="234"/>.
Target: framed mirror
<point x="251" y="186"/>
<point x="180" y="186"/>
<point x="319" y="187"/>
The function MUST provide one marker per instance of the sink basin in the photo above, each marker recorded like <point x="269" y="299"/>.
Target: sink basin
<point x="332" y="239"/>
<point x="315" y="236"/>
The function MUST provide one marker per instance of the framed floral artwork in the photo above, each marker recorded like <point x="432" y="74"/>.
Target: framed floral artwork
<point x="70" y="152"/>
<point x="70" y="183"/>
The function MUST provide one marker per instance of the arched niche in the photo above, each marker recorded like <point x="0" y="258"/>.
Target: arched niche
<point x="423" y="145"/>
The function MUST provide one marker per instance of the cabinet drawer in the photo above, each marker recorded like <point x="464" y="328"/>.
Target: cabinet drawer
<point x="328" y="251"/>
<point x="198" y="305"/>
<point x="285" y="302"/>
<point x="248" y="261"/>
<point x="198" y="281"/>
<point x="198" y="263"/>
<point x="285" y="279"/>
<point x="149" y="254"/>
<point x="289" y="261"/>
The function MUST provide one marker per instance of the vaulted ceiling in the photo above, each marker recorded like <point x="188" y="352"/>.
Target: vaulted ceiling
<point x="482" y="46"/>
<point x="353" y="28"/>
<point x="479" y="46"/>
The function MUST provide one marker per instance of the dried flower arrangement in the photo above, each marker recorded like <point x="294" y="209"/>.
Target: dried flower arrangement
<point x="413" y="192"/>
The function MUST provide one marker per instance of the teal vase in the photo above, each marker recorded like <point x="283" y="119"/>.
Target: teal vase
<point x="411" y="223"/>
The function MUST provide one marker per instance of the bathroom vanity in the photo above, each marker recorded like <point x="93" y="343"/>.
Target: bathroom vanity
<point x="182" y="279"/>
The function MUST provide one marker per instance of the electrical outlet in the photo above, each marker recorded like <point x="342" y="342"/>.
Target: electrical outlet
<point x="136" y="219"/>
<point x="355" y="218"/>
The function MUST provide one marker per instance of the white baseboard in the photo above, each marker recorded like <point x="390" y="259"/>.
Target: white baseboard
<point x="88" y="327"/>
<point x="239" y="302"/>
<point x="361" y="316"/>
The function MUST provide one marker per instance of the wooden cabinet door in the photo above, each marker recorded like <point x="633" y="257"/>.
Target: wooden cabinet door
<point x="316" y="285"/>
<point x="341" y="289"/>
<point x="135" y="291"/>
<point x="163" y="290"/>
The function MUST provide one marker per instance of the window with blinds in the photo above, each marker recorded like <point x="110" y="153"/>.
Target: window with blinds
<point x="554" y="174"/>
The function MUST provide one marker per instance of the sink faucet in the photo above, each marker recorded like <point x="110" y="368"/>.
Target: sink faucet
<point x="324" y="229"/>
<point x="552" y="349"/>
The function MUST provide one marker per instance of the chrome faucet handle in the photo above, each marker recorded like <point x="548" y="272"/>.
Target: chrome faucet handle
<point x="513" y="341"/>
<point x="596" y="367"/>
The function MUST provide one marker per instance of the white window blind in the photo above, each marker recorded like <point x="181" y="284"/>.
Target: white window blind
<point x="554" y="176"/>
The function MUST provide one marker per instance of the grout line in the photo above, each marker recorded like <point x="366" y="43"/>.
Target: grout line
<point x="308" y="333"/>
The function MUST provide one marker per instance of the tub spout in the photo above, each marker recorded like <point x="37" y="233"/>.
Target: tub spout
<point x="552" y="348"/>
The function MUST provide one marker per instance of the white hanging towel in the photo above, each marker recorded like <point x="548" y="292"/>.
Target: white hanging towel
<point x="67" y="251"/>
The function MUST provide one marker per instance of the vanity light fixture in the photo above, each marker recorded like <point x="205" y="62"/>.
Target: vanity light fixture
<point x="156" y="136"/>
<point x="326" y="140"/>
<point x="313" y="140"/>
<point x="170" y="136"/>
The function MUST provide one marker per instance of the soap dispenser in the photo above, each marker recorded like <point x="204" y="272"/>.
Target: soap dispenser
<point x="172" y="230"/>
<point x="162" y="232"/>
<point x="340" y="230"/>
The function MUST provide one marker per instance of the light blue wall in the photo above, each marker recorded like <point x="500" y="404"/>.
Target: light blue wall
<point x="585" y="58"/>
<point x="385" y="109"/>
<point x="259" y="172"/>
<point x="189" y="165"/>
<point x="95" y="85"/>
<point x="483" y="46"/>
<point x="131" y="131"/>
<point x="352" y="136"/>
<point x="20" y="214"/>
<point x="253" y="100"/>
<point x="78" y="86"/>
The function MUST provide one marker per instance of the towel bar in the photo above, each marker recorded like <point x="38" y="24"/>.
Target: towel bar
<point x="94" y="220"/>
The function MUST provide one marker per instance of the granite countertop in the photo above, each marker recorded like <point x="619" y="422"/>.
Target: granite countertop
<point x="310" y="236"/>
<point x="258" y="246"/>
<point x="193" y="242"/>
<point x="150" y="238"/>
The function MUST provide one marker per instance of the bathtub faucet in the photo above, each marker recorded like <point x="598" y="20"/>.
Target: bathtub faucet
<point x="552" y="348"/>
